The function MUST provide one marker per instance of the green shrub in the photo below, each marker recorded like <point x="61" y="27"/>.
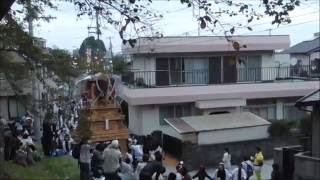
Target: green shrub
<point x="279" y="128"/>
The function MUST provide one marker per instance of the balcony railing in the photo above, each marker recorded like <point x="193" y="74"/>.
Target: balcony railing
<point x="167" y="78"/>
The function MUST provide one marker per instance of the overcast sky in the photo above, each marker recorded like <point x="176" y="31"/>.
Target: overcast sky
<point x="67" y="31"/>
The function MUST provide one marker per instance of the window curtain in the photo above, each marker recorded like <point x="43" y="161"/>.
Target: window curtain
<point x="196" y="70"/>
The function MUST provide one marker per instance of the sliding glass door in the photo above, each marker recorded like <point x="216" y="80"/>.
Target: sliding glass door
<point x="162" y="73"/>
<point x="229" y="69"/>
<point x="215" y="70"/>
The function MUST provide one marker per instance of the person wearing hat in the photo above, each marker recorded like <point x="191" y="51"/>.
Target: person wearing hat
<point x="112" y="161"/>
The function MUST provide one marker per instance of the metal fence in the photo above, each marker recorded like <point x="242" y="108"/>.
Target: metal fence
<point x="166" y="78"/>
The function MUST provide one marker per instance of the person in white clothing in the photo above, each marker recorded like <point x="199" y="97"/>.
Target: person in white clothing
<point x="226" y="159"/>
<point x="239" y="173"/>
<point x="141" y="165"/>
<point x="247" y="165"/>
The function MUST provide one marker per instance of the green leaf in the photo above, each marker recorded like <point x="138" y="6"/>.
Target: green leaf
<point x="232" y="30"/>
<point x="203" y="23"/>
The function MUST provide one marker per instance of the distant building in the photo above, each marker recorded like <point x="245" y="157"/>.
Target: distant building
<point x="306" y="53"/>
<point x="75" y="53"/>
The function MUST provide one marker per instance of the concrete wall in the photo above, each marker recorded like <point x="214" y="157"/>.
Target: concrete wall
<point x="135" y="122"/>
<point x="235" y="91"/>
<point x="306" y="167"/>
<point x="283" y="59"/>
<point x="151" y="122"/>
<point x="278" y="156"/>
<point x="233" y="135"/>
<point x="143" y="120"/>
<point x="210" y="155"/>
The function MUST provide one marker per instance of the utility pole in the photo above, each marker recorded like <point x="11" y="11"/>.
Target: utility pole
<point x="269" y="31"/>
<point x="96" y="30"/>
<point x="30" y="19"/>
<point x="199" y="23"/>
<point x="110" y="47"/>
<point x="111" y="55"/>
<point x="97" y="26"/>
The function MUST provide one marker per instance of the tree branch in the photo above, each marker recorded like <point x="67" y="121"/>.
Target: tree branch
<point x="5" y="6"/>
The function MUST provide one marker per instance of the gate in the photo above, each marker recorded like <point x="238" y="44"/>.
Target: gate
<point x="288" y="162"/>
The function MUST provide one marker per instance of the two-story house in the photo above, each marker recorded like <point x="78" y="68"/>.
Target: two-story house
<point x="306" y="53"/>
<point x="191" y="88"/>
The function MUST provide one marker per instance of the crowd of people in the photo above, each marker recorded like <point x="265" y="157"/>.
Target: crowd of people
<point x="20" y="143"/>
<point x="57" y="128"/>
<point x="18" y="140"/>
<point x="104" y="161"/>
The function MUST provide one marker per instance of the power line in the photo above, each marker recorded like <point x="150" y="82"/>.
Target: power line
<point x="254" y="25"/>
<point x="289" y="25"/>
<point x="286" y="26"/>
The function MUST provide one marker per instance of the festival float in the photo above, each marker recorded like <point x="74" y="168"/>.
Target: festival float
<point x="101" y="118"/>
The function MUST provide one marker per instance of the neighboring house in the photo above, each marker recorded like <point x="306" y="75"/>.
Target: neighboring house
<point x="307" y="164"/>
<point x="13" y="100"/>
<point x="303" y="162"/>
<point x="193" y="88"/>
<point x="306" y="53"/>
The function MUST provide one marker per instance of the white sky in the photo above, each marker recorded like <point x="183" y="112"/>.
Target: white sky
<point x="67" y="31"/>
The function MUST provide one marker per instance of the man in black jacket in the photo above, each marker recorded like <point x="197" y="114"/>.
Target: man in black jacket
<point x="152" y="167"/>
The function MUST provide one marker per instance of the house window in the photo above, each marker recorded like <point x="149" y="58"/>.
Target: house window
<point x="173" y="111"/>
<point x="16" y="108"/>
<point x="249" y="68"/>
<point x="267" y="111"/>
<point x="291" y="113"/>
<point x="181" y="70"/>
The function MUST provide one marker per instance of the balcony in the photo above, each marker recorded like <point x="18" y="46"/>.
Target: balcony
<point x="200" y="77"/>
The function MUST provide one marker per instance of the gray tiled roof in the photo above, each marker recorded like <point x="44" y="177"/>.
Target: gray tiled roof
<point x="310" y="98"/>
<point x="216" y="122"/>
<point x="304" y="47"/>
